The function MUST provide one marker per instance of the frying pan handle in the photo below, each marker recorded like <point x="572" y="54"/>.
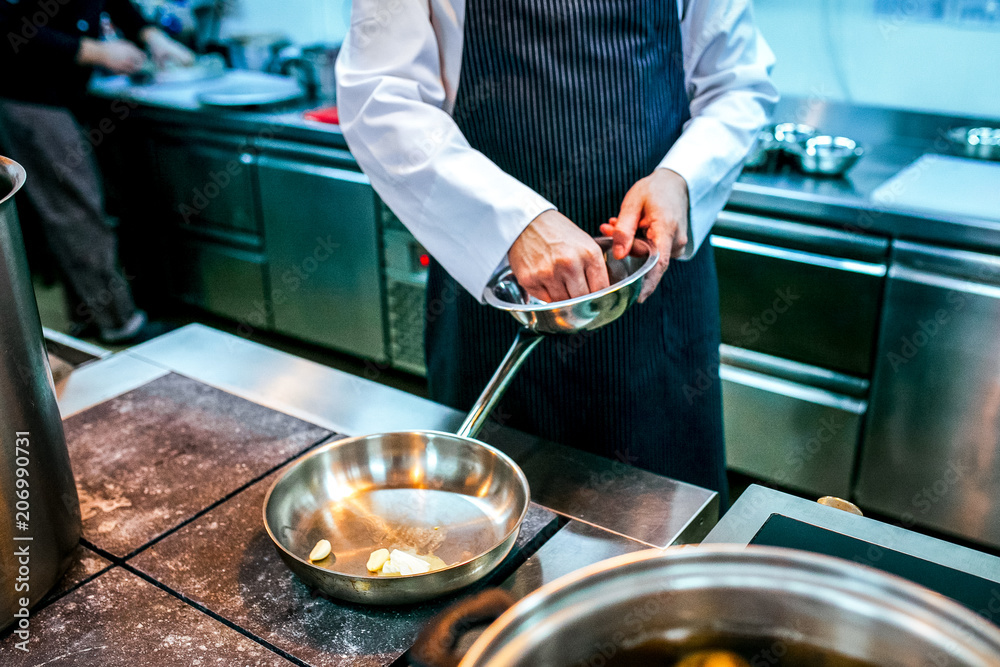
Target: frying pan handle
<point x="437" y="643"/>
<point x="524" y="343"/>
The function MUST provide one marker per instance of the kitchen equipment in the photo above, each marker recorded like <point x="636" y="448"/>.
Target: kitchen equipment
<point x="825" y="155"/>
<point x="251" y="89"/>
<point x="431" y="492"/>
<point x="977" y="142"/>
<point x="40" y="527"/>
<point x="792" y="134"/>
<point x="787" y="607"/>
<point x="946" y="186"/>
<point x="764" y="147"/>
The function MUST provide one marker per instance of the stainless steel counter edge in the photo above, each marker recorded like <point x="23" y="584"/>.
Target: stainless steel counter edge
<point x="606" y="494"/>
<point x="839" y="204"/>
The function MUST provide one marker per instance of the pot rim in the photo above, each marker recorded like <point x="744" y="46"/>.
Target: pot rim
<point x="845" y="576"/>
<point x="15" y="174"/>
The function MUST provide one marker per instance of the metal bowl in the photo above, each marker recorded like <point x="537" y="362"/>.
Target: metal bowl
<point x="763" y="146"/>
<point x="792" y="134"/>
<point x="977" y="142"/>
<point x="431" y="492"/>
<point x="583" y="313"/>
<point x="828" y="156"/>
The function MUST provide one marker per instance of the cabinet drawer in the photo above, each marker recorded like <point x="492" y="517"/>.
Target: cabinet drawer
<point x="222" y="280"/>
<point x="322" y="236"/>
<point x="206" y="182"/>
<point x="805" y="306"/>
<point x="801" y="437"/>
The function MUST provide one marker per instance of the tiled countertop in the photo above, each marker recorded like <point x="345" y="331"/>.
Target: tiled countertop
<point x="175" y="566"/>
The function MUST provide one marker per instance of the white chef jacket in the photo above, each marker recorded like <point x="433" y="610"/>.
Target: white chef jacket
<point x="397" y="77"/>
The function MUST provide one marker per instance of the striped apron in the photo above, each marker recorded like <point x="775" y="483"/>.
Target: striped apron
<point x="579" y="99"/>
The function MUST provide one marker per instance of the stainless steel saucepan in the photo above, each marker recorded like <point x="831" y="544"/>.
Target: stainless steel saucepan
<point x="433" y="493"/>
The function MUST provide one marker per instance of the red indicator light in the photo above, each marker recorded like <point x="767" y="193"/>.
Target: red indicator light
<point x="425" y="260"/>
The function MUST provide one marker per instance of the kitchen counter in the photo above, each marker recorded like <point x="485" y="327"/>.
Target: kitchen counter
<point x="174" y="444"/>
<point x="892" y="140"/>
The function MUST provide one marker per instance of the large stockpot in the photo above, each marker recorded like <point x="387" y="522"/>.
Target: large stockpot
<point x="426" y="491"/>
<point x="40" y="523"/>
<point x="786" y="602"/>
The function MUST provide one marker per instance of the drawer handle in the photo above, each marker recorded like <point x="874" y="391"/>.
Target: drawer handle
<point x="825" y="261"/>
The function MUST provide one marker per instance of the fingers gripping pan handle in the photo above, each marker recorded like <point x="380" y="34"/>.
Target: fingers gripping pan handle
<point x="523" y="345"/>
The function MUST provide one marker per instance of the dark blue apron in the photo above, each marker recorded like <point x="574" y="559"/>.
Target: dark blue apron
<point x="579" y="99"/>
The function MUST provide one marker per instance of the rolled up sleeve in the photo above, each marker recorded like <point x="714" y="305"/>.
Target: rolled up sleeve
<point x="727" y="73"/>
<point x="391" y="96"/>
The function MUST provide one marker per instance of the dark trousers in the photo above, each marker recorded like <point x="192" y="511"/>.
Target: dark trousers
<point x="64" y="190"/>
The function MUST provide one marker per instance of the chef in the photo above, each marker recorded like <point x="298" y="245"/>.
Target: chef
<point x="48" y="51"/>
<point x="515" y="131"/>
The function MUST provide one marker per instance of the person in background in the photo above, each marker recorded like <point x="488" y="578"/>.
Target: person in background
<point x="515" y="130"/>
<point x="48" y="51"/>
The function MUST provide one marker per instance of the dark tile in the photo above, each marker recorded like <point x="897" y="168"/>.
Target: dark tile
<point x="152" y="458"/>
<point x="226" y="562"/>
<point x="119" y="619"/>
<point x="86" y="564"/>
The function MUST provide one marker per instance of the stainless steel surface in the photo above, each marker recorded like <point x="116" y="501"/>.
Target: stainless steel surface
<point x="584" y="313"/>
<point x="323" y="243"/>
<point x="783" y="369"/>
<point x="262" y="90"/>
<point x="206" y="180"/>
<point x="220" y="278"/>
<point x="523" y="344"/>
<point x="827" y="156"/>
<point x="784" y="596"/>
<point x="575" y="546"/>
<point x="434" y="493"/>
<point x="41" y="524"/>
<point x="406" y="265"/>
<point x="73" y="350"/>
<point x="936" y="396"/>
<point x="977" y="142"/>
<point x="803" y="236"/>
<point x="743" y="521"/>
<point x="97" y="382"/>
<point x="573" y="483"/>
<point x="788" y="433"/>
<point x="801" y="305"/>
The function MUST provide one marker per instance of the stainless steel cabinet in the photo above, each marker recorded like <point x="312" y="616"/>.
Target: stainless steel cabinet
<point x="799" y="309"/>
<point x="207" y="180"/>
<point x="932" y="444"/>
<point x="789" y="423"/>
<point x="799" y="292"/>
<point x="321" y="233"/>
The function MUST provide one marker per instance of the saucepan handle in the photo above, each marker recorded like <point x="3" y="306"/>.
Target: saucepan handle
<point x="437" y="643"/>
<point x="524" y="343"/>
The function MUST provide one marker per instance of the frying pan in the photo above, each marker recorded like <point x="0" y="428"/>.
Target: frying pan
<point x="444" y="494"/>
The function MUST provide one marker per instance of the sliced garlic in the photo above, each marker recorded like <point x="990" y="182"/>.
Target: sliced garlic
<point x="320" y="551"/>
<point x="408" y="563"/>
<point x="377" y="559"/>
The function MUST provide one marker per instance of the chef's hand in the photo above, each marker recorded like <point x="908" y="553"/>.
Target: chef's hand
<point x="166" y="51"/>
<point x="657" y="205"/>
<point x="117" y="55"/>
<point x="553" y="259"/>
